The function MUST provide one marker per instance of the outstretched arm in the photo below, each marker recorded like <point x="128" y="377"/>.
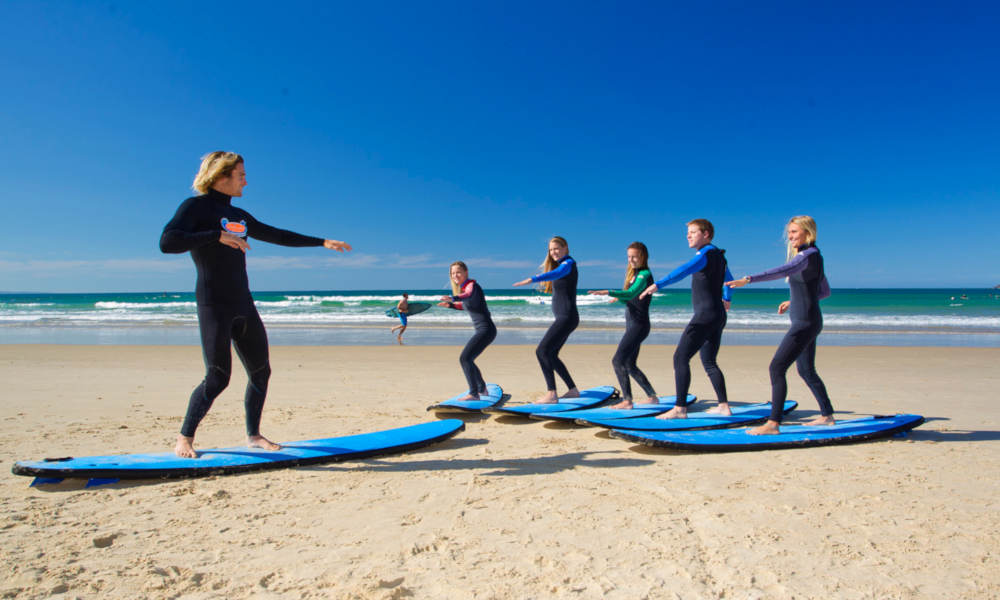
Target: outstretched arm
<point x="641" y="282"/>
<point x="559" y="272"/>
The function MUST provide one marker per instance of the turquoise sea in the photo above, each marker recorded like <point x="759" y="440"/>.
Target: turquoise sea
<point x="891" y="317"/>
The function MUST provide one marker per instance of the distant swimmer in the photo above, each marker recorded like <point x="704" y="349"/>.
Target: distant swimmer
<point x="703" y="334"/>
<point x="467" y="295"/>
<point x="807" y="285"/>
<point x="403" y="309"/>
<point x="637" y="278"/>
<point x="215" y="233"/>
<point x="559" y="279"/>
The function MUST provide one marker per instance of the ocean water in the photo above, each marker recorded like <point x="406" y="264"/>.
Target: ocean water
<point x="892" y="317"/>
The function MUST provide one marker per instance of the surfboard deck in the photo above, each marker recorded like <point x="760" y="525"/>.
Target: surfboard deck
<point x="588" y="398"/>
<point x="415" y="309"/>
<point x="241" y="459"/>
<point x="745" y="414"/>
<point x="604" y="412"/>
<point x="493" y="397"/>
<point x="792" y="436"/>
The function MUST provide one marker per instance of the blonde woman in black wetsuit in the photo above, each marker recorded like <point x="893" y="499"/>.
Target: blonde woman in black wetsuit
<point x="807" y="285"/>
<point x="559" y="279"/>
<point x="215" y="233"/>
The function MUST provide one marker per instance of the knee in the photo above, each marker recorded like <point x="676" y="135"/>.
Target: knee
<point x="542" y="355"/>
<point x="216" y="380"/>
<point x="807" y="372"/>
<point x="261" y="376"/>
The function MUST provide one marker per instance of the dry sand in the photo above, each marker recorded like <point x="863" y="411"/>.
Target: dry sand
<point x="507" y="509"/>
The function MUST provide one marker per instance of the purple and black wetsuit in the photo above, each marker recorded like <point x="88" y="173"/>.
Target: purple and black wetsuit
<point x="708" y="270"/>
<point x="226" y="312"/>
<point x="807" y="286"/>
<point x="563" y="278"/>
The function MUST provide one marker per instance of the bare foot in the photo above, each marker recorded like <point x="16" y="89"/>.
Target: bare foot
<point x="677" y="412"/>
<point x="820" y="420"/>
<point x="623" y="405"/>
<point x="768" y="428"/>
<point x="185" y="447"/>
<point x="399" y="338"/>
<point x="467" y="397"/>
<point x="721" y="409"/>
<point x="651" y="400"/>
<point x="259" y="441"/>
<point x="571" y="393"/>
<point x="548" y="398"/>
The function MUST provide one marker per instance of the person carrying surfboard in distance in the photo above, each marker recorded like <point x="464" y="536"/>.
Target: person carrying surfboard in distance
<point x="637" y="278"/>
<point x="215" y="233"/>
<point x="467" y="295"/>
<point x="703" y="334"/>
<point x="403" y="309"/>
<point x="559" y="279"/>
<point x="807" y="285"/>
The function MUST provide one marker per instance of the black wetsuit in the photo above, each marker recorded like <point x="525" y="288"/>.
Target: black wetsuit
<point x="563" y="279"/>
<point x="636" y="330"/>
<point x="226" y="312"/>
<point x="708" y="270"/>
<point x="807" y="286"/>
<point x="473" y="301"/>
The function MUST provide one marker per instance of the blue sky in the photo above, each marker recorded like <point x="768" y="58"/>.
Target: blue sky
<point x="423" y="133"/>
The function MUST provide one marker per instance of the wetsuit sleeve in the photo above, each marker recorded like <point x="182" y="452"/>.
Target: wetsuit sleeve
<point x="727" y="292"/>
<point x="824" y="288"/>
<point x="179" y="234"/>
<point x="796" y="265"/>
<point x="641" y="282"/>
<point x="282" y="237"/>
<point x="692" y="266"/>
<point x="557" y="273"/>
<point x="466" y="291"/>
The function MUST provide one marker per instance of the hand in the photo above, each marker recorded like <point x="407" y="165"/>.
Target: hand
<point x="738" y="283"/>
<point x="445" y="299"/>
<point x="598" y="292"/>
<point x="726" y="304"/>
<point x="234" y="241"/>
<point x="336" y="245"/>
<point x="444" y="303"/>
<point x="648" y="291"/>
<point x="783" y="307"/>
<point x="523" y="282"/>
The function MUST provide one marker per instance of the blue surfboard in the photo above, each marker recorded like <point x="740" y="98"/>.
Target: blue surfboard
<point x="588" y="398"/>
<point x="224" y="461"/>
<point x="793" y="436"/>
<point x="745" y="414"/>
<point x="493" y="396"/>
<point x="604" y="412"/>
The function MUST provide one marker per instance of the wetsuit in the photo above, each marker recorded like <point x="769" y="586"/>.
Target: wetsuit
<point x="636" y="330"/>
<point x="473" y="301"/>
<point x="807" y="286"/>
<point x="708" y="270"/>
<point x="563" y="279"/>
<point x="226" y="312"/>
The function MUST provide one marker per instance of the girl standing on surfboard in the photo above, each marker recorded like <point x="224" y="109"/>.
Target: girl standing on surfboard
<point x="807" y="285"/>
<point x="559" y="279"/>
<point x="637" y="278"/>
<point x="468" y="296"/>
<point x="215" y="232"/>
<point x="703" y="334"/>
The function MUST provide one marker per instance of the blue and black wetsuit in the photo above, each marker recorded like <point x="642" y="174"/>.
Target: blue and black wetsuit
<point x="473" y="301"/>
<point x="708" y="270"/>
<point x="636" y="330"/>
<point x="226" y="312"/>
<point x="563" y="279"/>
<point x="807" y="286"/>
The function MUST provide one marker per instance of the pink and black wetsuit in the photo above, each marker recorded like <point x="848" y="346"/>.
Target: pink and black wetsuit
<point x="473" y="301"/>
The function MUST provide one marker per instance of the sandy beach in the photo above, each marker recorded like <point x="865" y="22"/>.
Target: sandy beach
<point x="508" y="508"/>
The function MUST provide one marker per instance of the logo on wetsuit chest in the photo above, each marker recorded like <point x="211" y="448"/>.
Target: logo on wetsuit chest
<point x="235" y="228"/>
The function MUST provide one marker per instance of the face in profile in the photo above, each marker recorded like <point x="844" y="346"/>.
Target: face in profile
<point x="233" y="184"/>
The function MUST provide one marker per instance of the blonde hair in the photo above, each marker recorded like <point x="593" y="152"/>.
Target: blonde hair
<point x="808" y="225"/>
<point x="548" y="264"/>
<point x="643" y="262"/>
<point x="215" y="166"/>
<point x="455" y="290"/>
